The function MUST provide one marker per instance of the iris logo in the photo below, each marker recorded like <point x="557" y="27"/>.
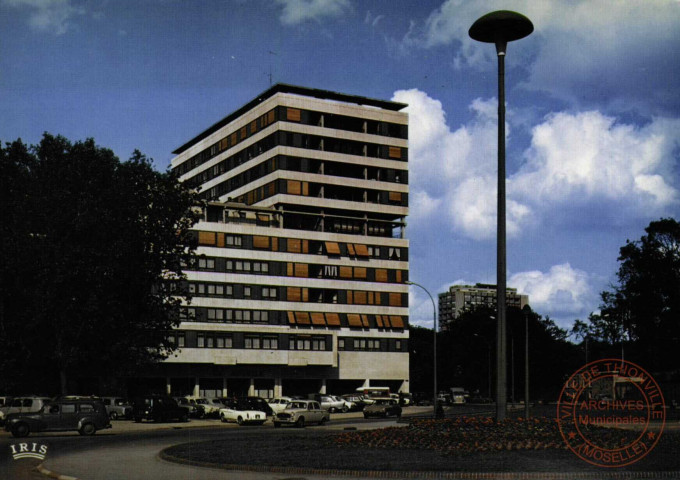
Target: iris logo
<point x="28" y="450"/>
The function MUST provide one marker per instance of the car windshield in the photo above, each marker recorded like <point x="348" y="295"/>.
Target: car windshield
<point x="202" y="401"/>
<point x="296" y="405"/>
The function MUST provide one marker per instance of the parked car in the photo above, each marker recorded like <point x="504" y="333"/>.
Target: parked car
<point x="117" y="407"/>
<point x="405" y="399"/>
<point x="331" y="403"/>
<point x="383" y="407"/>
<point x="279" y="404"/>
<point x="4" y="400"/>
<point x="241" y="413"/>
<point x="23" y="404"/>
<point x="258" y="403"/>
<point x="209" y="408"/>
<point x="159" y="408"/>
<point x="346" y="405"/>
<point x="355" y="401"/>
<point x="300" y="413"/>
<point x="195" y="411"/>
<point x="84" y="415"/>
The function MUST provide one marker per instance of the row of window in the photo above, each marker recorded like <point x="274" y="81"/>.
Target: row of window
<point x="305" y="117"/>
<point x="297" y="245"/>
<point x="267" y="341"/>
<point x="292" y="318"/>
<point x="301" y="270"/>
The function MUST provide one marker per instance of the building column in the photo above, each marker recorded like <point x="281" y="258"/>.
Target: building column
<point x="322" y="390"/>
<point x="168" y="386"/>
<point x="404" y="388"/>
<point x="251" y="389"/>
<point x="367" y="383"/>
<point x="225" y="392"/>
<point x="278" y="388"/>
<point x="197" y="387"/>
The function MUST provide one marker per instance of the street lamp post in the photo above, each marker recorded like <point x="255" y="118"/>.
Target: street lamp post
<point x="526" y="310"/>
<point x="434" y="347"/>
<point x="500" y="28"/>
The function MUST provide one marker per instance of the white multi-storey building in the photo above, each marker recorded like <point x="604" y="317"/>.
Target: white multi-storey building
<point x="300" y="283"/>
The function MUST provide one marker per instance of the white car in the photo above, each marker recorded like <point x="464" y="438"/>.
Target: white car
<point x="241" y="414"/>
<point x="300" y="413"/>
<point x="279" y="404"/>
<point x="211" y="409"/>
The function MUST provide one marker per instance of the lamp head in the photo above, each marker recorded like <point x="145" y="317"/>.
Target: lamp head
<point x="526" y="309"/>
<point x="501" y="27"/>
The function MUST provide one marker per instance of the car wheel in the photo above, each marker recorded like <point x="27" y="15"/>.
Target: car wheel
<point x="300" y="422"/>
<point x="20" y="430"/>
<point x="277" y="425"/>
<point x="113" y="416"/>
<point x="223" y="419"/>
<point x="345" y="409"/>
<point x="323" y="420"/>
<point x="87" y="429"/>
<point x="239" y="420"/>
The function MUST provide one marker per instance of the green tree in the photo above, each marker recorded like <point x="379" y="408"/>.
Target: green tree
<point x="643" y="310"/>
<point x="91" y="272"/>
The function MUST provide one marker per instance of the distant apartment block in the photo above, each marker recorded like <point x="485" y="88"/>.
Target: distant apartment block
<point x="299" y="286"/>
<point x="466" y="297"/>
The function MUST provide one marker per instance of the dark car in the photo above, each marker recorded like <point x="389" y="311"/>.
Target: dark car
<point x="84" y="415"/>
<point x="383" y="407"/>
<point x="159" y="408"/>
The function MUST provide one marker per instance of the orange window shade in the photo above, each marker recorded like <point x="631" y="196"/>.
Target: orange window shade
<point x="294" y="187"/>
<point x="397" y="322"/>
<point x="378" y="295"/>
<point x="206" y="238"/>
<point x="359" y="272"/>
<point x="233" y="138"/>
<point x="350" y="297"/>
<point x="398" y="273"/>
<point x="379" y="321"/>
<point x="294" y="245"/>
<point x="243" y="134"/>
<point x="262" y="217"/>
<point x="289" y="269"/>
<point x="301" y="270"/>
<point x="291" y="318"/>
<point x="380" y="275"/>
<point x="395" y="196"/>
<point x="275" y="243"/>
<point x="305" y="294"/>
<point x="318" y="319"/>
<point x="371" y="297"/>
<point x="294" y="294"/>
<point x="354" y="320"/>
<point x="332" y="248"/>
<point x="220" y="239"/>
<point x="302" y="318"/>
<point x="253" y="126"/>
<point x="260" y="241"/>
<point x="305" y="246"/>
<point x="270" y="117"/>
<point x="395" y="299"/>
<point x="293" y="115"/>
<point x="305" y="189"/>
<point x="362" y="250"/>
<point x="223" y="144"/>
<point x="350" y="250"/>
<point x="333" y="319"/>
<point x="272" y="188"/>
<point x="345" y="272"/>
<point x="364" y="321"/>
<point x="395" y="152"/>
<point x="360" y="298"/>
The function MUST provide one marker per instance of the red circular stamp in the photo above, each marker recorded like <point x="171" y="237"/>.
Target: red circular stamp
<point x="611" y="413"/>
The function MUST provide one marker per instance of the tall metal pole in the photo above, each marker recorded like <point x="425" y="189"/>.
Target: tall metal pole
<point x="526" y="361"/>
<point x="500" y="28"/>
<point x="434" y="347"/>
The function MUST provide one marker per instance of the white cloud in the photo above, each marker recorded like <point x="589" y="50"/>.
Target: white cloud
<point x="563" y="293"/>
<point x="300" y="11"/>
<point x="589" y="159"/>
<point x="577" y="163"/>
<point x="48" y="15"/>
<point x="628" y="44"/>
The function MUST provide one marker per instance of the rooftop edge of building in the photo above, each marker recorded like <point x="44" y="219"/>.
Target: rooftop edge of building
<point x="297" y="90"/>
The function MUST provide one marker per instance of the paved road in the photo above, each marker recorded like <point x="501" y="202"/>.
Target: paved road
<point x="130" y="451"/>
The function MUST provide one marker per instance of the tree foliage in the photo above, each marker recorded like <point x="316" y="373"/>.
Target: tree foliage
<point x="643" y="310"/>
<point x="92" y="254"/>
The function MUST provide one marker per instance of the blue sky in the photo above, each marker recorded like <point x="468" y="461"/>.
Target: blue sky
<point x="593" y="116"/>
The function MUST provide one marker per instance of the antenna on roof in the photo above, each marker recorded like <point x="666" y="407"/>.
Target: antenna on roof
<point x="270" y="66"/>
